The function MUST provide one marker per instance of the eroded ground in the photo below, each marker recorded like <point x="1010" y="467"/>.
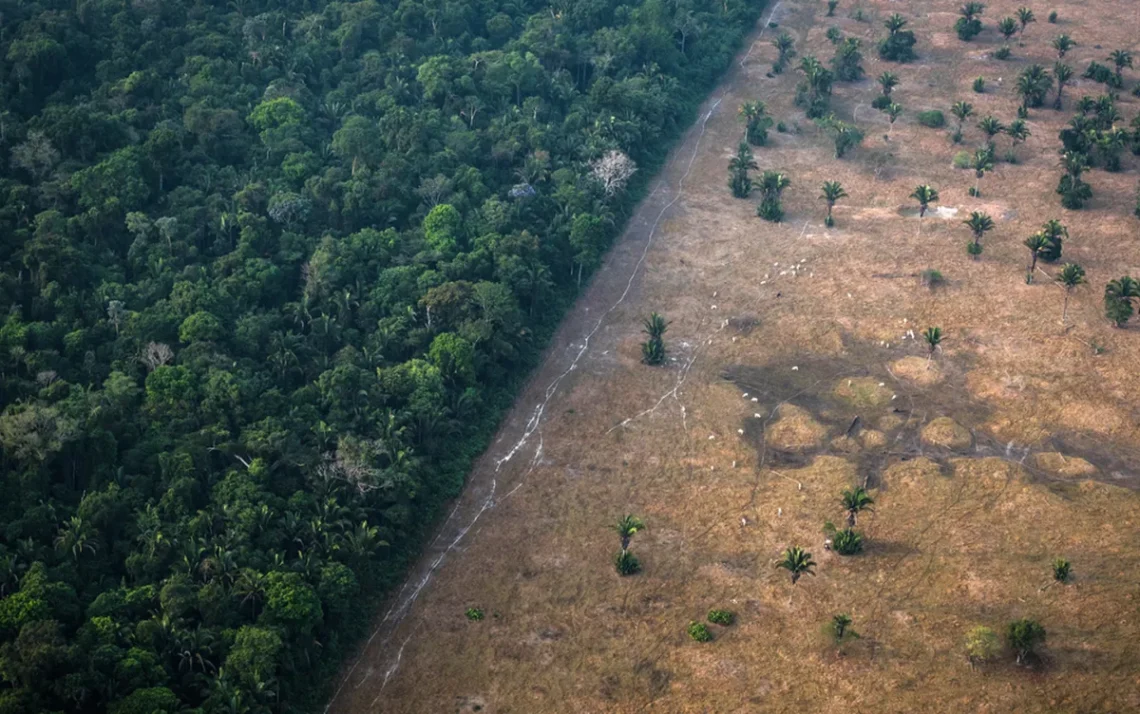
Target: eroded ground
<point x="791" y="380"/>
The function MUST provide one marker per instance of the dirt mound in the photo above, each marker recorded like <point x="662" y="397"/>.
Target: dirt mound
<point x="1058" y="464"/>
<point x="863" y="392"/>
<point x="917" y="370"/>
<point x="795" y="430"/>
<point x="947" y="433"/>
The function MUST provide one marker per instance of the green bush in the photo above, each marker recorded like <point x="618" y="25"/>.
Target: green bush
<point x="967" y="29"/>
<point x="1002" y="53"/>
<point x="973" y="249"/>
<point x="722" y="617"/>
<point x="1053" y="17"/>
<point x="699" y="632"/>
<point x="626" y="563"/>
<point x="474" y="614"/>
<point x="980" y="85"/>
<point x="898" y="47"/>
<point x="932" y="278"/>
<point x="932" y="118"/>
<point x="1062" y="570"/>
<point x="847" y="542"/>
<point x="881" y="102"/>
<point x="963" y="160"/>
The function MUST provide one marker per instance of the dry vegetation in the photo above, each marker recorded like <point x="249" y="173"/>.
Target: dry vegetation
<point x="1016" y="445"/>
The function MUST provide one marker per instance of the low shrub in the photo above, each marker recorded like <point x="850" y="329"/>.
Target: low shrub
<point x="980" y="85"/>
<point x="1002" y="53"/>
<point x="722" y="617"/>
<point x="699" y="632"/>
<point x="881" y="102"/>
<point x="963" y="160"/>
<point x="932" y="278"/>
<point x="847" y="542"/>
<point x="474" y="614"/>
<point x="932" y="118"/>
<point x="1053" y="18"/>
<point x="627" y="563"/>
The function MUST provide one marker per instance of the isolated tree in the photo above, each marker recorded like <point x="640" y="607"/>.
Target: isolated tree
<point x="797" y="562"/>
<point x="1109" y="144"/>
<point x="925" y="195"/>
<point x="1062" y="73"/>
<point x="756" y="122"/>
<point x="1007" y="26"/>
<point x="932" y="336"/>
<point x="738" y="167"/>
<point x="627" y="527"/>
<point x="613" y="171"/>
<point x="832" y="192"/>
<point x="1063" y="43"/>
<point x="1024" y="17"/>
<point x="888" y="81"/>
<point x="979" y="224"/>
<point x="1062" y="570"/>
<point x="855" y="501"/>
<point x="1037" y="244"/>
<point x="771" y="186"/>
<point x="893" y="112"/>
<point x="991" y="127"/>
<point x="1121" y="59"/>
<point x="814" y="91"/>
<point x="785" y="46"/>
<point x="982" y="162"/>
<point x="1032" y="85"/>
<point x="653" y="349"/>
<point x="1023" y="637"/>
<point x="1069" y="276"/>
<point x="982" y="645"/>
<point x="894" y="23"/>
<point x="847" y="63"/>
<point x="1118" y="297"/>
<point x="961" y="111"/>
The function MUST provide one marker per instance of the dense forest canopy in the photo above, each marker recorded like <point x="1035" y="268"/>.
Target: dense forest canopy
<point x="271" y="271"/>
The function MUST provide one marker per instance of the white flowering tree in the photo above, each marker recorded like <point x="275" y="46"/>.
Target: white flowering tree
<point x="613" y="171"/>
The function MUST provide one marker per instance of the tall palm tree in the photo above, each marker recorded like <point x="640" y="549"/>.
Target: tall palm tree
<point x="991" y="127"/>
<point x="932" y="336"/>
<point x="1122" y="59"/>
<point x="855" y="501"/>
<point x="784" y="44"/>
<point x="982" y="162"/>
<point x="627" y="527"/>
<point x="1018" y="131"/>
<point x="979" y="224"/>
<point x="756" y="122"/>
<point x="1071" y="276"/>
<point x="771" y="185"/>
<point x="962" y="111"/>
<point x="925" y="195"/>
<point x="796" y="561"/>
<point x="1063" y="43"/>
<point x="1024" y="17"/>
<point x="738" y="167"/>
<point x="888" y="80"/>
<point x="832" y="192"/>
<point x="1032" y="85"/>
<point x="1062" y="73"/>
<point x="1037" y="244"/>
<point x="1056" y="232"/>
<point x="893" y="111"/>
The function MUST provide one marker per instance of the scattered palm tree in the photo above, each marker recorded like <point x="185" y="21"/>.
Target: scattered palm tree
<point x="991" y="127"/>
<point x="1023" y="637"/>
<point x="932" y="336"/>
<point x="855" y="501"/>
<point x="1122" y="59"/>
<point x="925" y="195"/>
<point x="961" y="111"/>
<point x="1032" y="85"/>
<point x="1037" y="244"/>
<point x="1074" y="192"/>
<point x="627" y="527"/>
<point x="1007" y="26"/>
<point x="796" y="561"/>
<point x="1063" y="43"/>
<point x="1018" y="131"/>
<point x="894" y="23"/>
<point x="979" y="224"/>
<point x="893" y="111"/>
<point x="738" y="167"/>
<point x="653" y="349"/>
<point x="1056" y="232"/>
<point x="1071" y="276"/>
<point x="772" y="185"/>
<point x="784" y="44"/>
<point x="1062" y="73"/>
<point x="756" y="122"/>
<point x="1024" y="17"/>
<point x="982" y="162"/>
<point x="1062" y="570"/>
<point x="832" y="192"/>
<point x="888" y="81"/>
<point x="840" y="629"/>
<point x="1118" y="297"/>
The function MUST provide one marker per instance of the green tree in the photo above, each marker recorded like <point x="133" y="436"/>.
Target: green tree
<point x="756" y="122"/>
<point x="1024" y="17"/>
<point x="739" y="182"/>
<point x="991" y="127"/>
<point x="1032" y="85"/>
<point x="1063" y="43"/>
<point x="979" y="224"/>
<point x="961" y="111"/>
<point x="1121" y="59"/>
<point x="925" y="195"/>
<point x="797" y="562"/>
<point x="627" y="527"/>
<point x="982" y="645"/>
<point x="840" y="630"/>
<point x="1037" y="244"/>
<point x="933" y="338"/>
<point x="772" y="185"/>
<point x="982" y="161"/>
<point x="785" y="46"/>
<point x="1118" y="297"/>
<point x="1062" y="73"/>
<point x="1024" y="636"/>
<point x="1007" y="26"/>
<point x="832" y="192"/>
<point x="855" y="501"/>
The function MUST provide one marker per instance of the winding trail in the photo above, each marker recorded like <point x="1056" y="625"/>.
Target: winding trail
<point x="480" y="492"/>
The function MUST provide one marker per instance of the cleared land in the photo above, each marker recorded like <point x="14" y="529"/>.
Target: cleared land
<point x="781" y="335"/>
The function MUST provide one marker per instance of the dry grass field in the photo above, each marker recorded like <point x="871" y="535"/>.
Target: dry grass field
<point x="780" y="336"/>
